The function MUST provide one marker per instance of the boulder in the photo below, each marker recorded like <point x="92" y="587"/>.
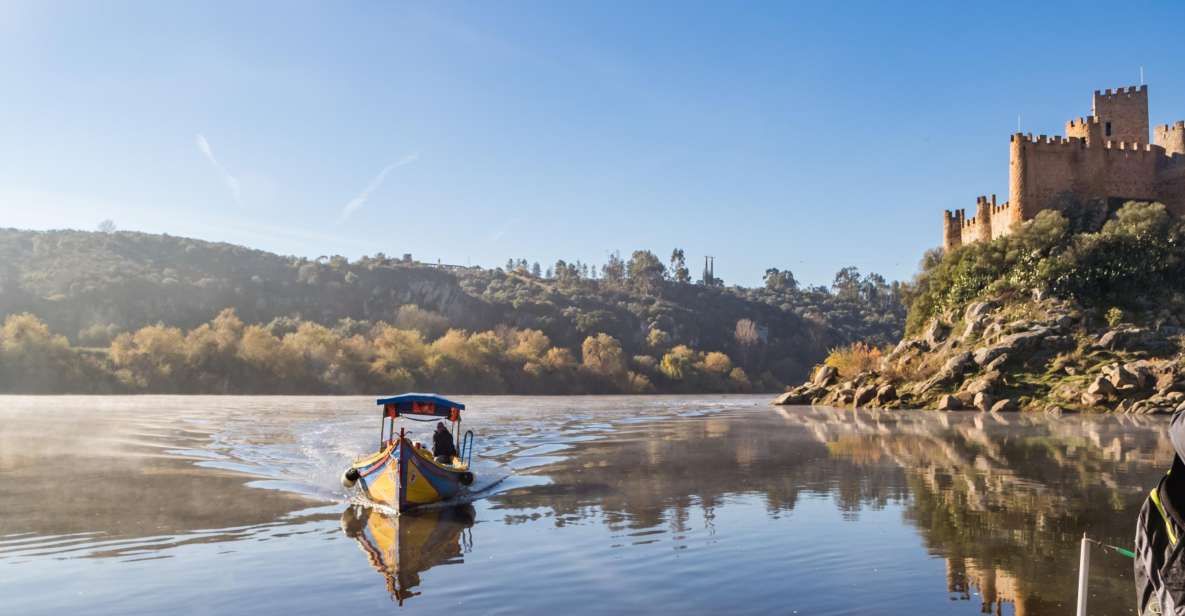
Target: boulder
<point x="1129" y="338"/>
<point x="908" y="345"/>
<point x="985" y="355"/>
<point x="864" y="395"/>
<point x="959" y="364"/>
<point x="1011" y="344"/>
<point x="984" y="383"/>
<point x="794" y="396"/>
<point x="1007" y="405"/>
<point x="976" y="311"/>
<point x="1121" y="377"/>
<point x="1142" y="369"/>
<point x="1024" y="340"/>
<point x="824" y="376"/>
<point x="1101" y="387"/>
<point x="996" y="363"/>
<point x="975" y="318"/>
<point x="947" y="402"/>
<point x="1167" y="382"/>
<point x="982" y="402"/>
<point x="936" y="333"/>
<point x="953" y="369"/>
<point x="886" y="393"/>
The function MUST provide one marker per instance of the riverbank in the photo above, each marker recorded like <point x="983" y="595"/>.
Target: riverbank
<point x="1030" y="355"/>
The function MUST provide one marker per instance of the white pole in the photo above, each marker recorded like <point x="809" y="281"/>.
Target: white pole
<point x="1083" y="575"/>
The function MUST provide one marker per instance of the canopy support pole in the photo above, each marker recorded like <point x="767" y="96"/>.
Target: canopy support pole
<point x="1083" y="575"/>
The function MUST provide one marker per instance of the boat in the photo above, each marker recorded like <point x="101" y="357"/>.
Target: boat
<point x="402" y="475"/>
<point x="400" y="548"/>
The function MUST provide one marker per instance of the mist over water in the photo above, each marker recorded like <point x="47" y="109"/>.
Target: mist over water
<point x="583" y="504"/>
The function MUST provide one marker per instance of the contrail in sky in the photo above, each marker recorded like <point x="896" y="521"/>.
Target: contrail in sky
<point x="231" y="181"/>
<point x="360" y="200"/>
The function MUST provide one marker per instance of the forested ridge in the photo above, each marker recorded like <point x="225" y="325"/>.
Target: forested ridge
<point x="129" y="312"/>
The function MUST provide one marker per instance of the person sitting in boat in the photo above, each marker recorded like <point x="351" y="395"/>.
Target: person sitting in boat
<point x="442" y="444"/>
<point x="1160" y="572"/>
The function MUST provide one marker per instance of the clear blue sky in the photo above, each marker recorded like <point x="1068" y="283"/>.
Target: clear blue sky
<point x="800" y="136"/>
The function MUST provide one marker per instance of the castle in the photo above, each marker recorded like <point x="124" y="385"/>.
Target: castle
<point x="1104" y="157"/>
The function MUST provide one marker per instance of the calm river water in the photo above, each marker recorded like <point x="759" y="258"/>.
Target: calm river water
<point x="227" y="505"/>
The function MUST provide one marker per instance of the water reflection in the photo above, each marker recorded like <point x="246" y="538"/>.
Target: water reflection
<point x="1002" y="499"/>
<point x="401" y="547"/>
<point x="623" y="503"/>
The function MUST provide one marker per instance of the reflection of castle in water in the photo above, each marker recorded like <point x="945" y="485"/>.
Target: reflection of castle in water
<point x="402" y="547"/>
<point x="1004" y="499"/>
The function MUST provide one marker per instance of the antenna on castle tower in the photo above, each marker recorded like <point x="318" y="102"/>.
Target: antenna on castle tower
<point x="1018" y="122"/>
<point x="1141" y="75"/>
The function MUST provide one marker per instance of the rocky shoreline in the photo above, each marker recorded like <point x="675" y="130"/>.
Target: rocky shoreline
<point x="1033" y="355"/>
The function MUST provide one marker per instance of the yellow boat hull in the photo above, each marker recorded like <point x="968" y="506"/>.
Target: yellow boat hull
<point x="404" y="477"/>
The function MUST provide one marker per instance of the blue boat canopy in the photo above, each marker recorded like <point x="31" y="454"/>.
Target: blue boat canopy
<point x="421" y="404"/>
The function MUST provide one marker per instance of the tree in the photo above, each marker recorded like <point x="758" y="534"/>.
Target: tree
<point x="107" y="226"/>
<point x="679" y="270"/>
<point x="847" y="283"/>
<point x="779" y="280"/>
<point x="645" y="272"/>
<point x="602" y="355"/>
<point x="746" y="333"/>
<point x="536" y="271"/>
<point x="614" y="271"/>
<point x="678" y="363"/>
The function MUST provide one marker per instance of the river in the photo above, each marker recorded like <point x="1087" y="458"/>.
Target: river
<point x="614" y="504"/>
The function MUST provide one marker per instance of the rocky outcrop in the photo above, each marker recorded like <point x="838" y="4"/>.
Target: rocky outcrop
<point x="1033" y="355"/>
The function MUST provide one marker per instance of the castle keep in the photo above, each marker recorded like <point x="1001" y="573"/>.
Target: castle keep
<point x="1104" y="157"/>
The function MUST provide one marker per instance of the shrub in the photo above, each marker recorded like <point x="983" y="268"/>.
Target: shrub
<point x="853" y="359"/>
<point x="1114" y="316"/>
<point x="1139" y="252"/>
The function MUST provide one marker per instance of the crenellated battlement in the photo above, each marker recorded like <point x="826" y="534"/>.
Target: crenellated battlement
<point x="1171" y="138"/>
<point x="1121" y="92"/>
<point x="1113" y="154"/>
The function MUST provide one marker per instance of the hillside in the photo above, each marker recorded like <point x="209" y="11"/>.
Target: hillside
<point x="1077" y="310"/>
<point x="102" y="296"/>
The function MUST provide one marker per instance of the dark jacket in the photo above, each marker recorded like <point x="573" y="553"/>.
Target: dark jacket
<point x="442" y="443"/>
<point x="1160" y="536"/>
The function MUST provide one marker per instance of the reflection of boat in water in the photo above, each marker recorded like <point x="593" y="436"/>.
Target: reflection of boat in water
<point x="403" y="475"/>
<point x="402" y="547"/>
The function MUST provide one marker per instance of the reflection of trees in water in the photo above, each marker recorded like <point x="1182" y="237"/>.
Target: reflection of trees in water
<point x="648" y="476"/>
<point x="1005" y="499"/>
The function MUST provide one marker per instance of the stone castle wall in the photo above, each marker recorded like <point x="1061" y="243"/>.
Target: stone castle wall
<point x="1105" y="157"/>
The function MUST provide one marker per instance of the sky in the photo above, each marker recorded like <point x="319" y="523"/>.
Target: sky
<point x="802" y="136"/>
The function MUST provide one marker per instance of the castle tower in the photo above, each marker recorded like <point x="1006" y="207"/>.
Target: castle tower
<point x="983" y="218"/>
<point x="952" y="229"/>
<point x="1123" y="114"/>
<point x="1018" y="178"/>
<point x="1171" y="137"/>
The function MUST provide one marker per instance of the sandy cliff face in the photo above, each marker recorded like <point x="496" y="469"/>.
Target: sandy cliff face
<point x="1048" y="355"/>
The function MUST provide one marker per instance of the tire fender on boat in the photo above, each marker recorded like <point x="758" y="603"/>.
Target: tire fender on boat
<point x="350" y="477"/>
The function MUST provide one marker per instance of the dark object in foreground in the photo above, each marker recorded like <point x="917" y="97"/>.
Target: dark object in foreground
<point x="1159" y="568"/>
